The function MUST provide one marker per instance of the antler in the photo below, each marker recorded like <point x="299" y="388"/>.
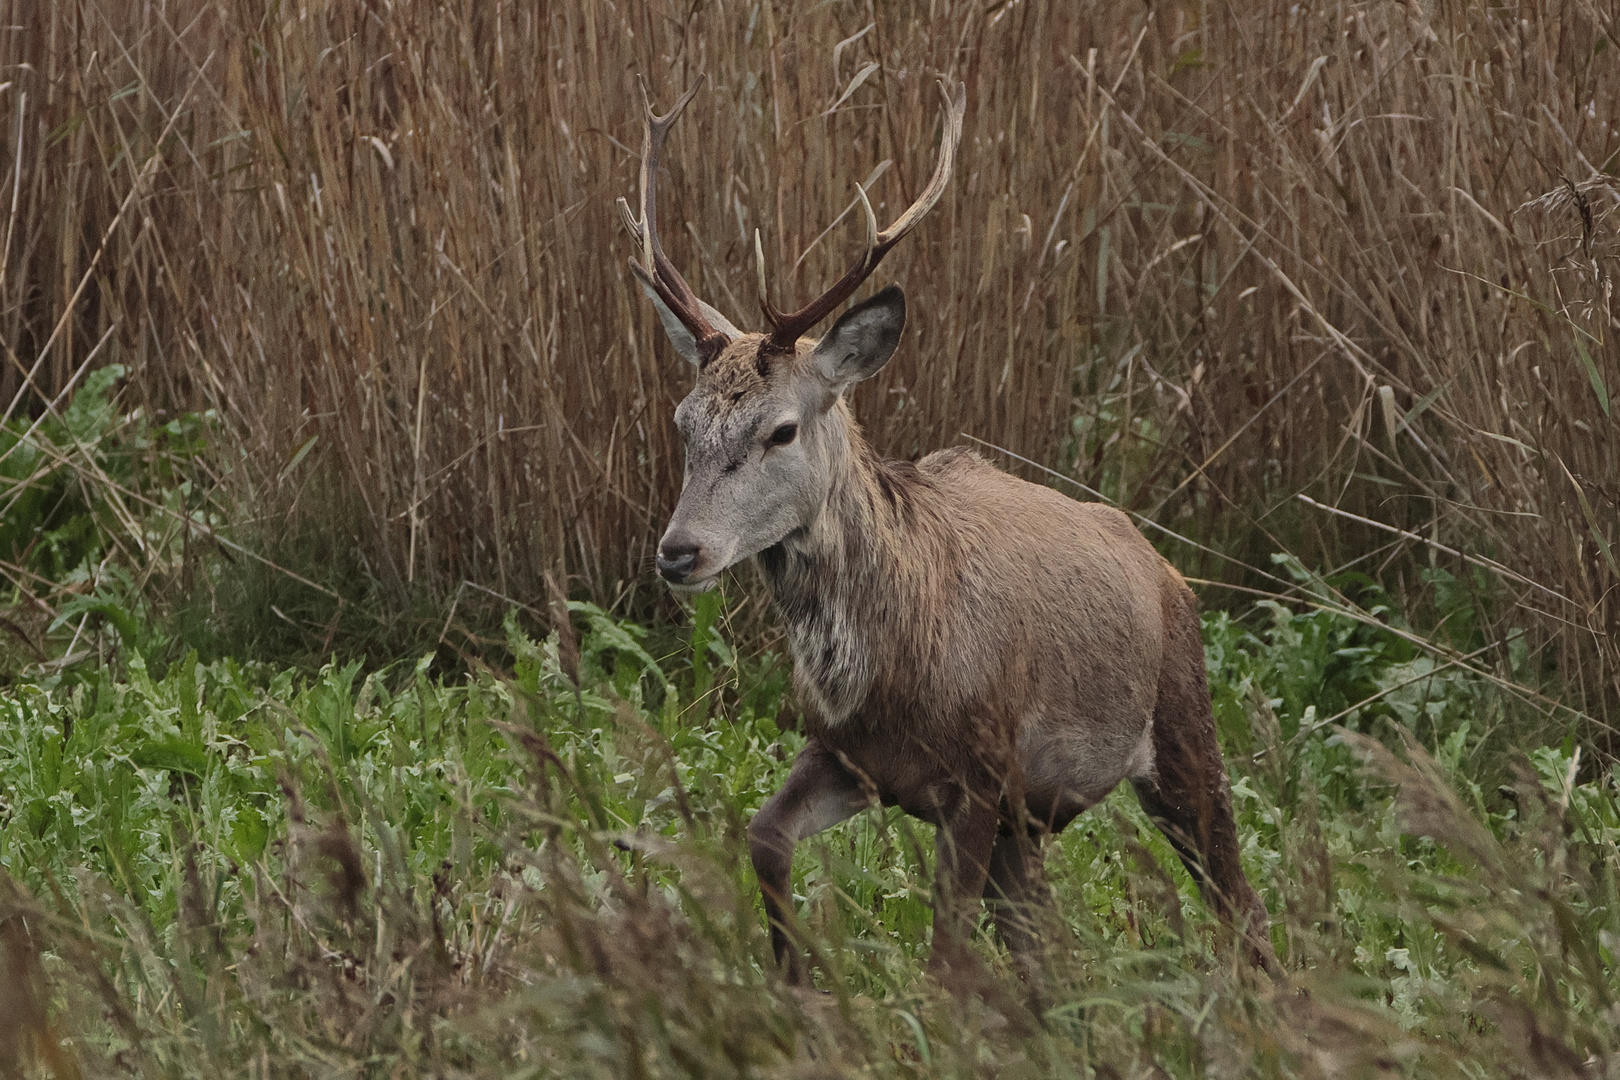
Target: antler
<point x="655" y="270"/>
<point x="786" y="329"/>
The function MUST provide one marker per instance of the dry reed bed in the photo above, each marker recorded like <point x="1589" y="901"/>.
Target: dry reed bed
<point x="1202" y="258"/>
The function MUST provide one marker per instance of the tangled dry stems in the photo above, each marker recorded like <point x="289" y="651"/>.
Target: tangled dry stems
<point x="1202" y="259"/>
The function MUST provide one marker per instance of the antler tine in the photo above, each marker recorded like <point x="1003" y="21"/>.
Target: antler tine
<point x="653" y="146"/>
<point x="655" y="267"/>
<point x="955" y="108"/>
<point x="787" y="329"/>
<point x="772" y="316"/>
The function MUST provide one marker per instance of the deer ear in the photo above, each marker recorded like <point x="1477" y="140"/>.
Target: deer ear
<point x="679" y="335"/>
<point x="861" y="341"/>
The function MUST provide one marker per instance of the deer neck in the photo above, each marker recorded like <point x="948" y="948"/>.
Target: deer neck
<point x="826" y="578"/>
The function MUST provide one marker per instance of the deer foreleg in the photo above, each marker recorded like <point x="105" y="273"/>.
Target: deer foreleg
<point x="819" y="793"/>
<point x="1016" y="893"/>
<point x="964" y="841"/>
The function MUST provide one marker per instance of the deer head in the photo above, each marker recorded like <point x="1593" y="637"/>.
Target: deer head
<point x="765" y="427"/>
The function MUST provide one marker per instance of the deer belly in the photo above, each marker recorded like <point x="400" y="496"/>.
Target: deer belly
<point x="1068" y="767"/>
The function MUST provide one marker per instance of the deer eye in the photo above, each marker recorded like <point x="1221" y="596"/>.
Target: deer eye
<point x="784" y="434"/>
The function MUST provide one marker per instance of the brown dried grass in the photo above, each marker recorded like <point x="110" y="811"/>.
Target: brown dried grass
<point x="1203" y="258"/>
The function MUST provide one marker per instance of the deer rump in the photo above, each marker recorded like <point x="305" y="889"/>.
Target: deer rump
<point x="981" y="651"/>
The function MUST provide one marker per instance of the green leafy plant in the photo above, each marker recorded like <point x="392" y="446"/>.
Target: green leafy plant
<point x="545" y="870"/>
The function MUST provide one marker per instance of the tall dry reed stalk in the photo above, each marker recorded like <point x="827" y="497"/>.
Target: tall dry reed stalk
<point x="1208" y="258"/>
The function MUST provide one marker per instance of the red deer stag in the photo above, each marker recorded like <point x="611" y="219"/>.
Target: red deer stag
<point x="985" y="653"/>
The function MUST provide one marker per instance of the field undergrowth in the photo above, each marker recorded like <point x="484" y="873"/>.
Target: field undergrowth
<point x="537" y="869"/>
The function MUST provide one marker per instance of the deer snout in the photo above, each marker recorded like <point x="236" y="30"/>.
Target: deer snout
<point x="677" y="558"/>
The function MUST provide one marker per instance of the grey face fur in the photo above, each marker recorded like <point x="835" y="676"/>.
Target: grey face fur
<point x="764" y="438"/>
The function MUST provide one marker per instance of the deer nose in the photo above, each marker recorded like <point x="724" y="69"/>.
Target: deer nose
<point x="676" y="559"/>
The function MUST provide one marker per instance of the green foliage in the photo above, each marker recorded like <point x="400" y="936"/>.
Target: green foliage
<point x="94" y="504"/>
<point x="239" y="867"/>
<point x="48" y="524"/>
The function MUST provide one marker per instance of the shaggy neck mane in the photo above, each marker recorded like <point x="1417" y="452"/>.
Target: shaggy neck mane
<point x="858" y="578"/>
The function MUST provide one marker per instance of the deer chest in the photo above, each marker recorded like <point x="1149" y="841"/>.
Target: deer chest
<point x="832" y="665"/>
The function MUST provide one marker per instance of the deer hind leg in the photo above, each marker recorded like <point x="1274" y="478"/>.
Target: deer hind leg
<point x="819" y="793"/>
<point x="1188" y="796"/>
